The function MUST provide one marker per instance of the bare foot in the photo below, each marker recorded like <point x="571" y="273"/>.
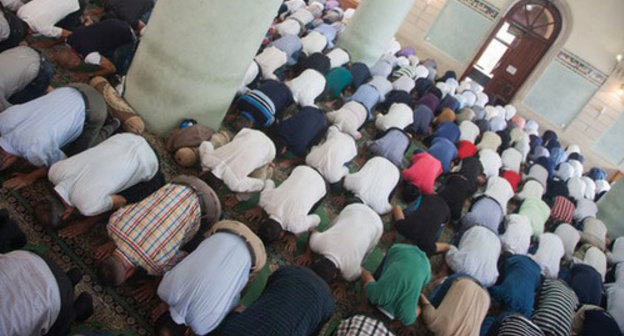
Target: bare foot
<point x="18" y="182"/>
<point x="340" y="201"/>
<point x="253" y="215"/>
<point x="339" y="290"/>
<point x="303" y="260"/>
<point x="147" y="290"/>
<point x="105" y="250"/>
<point x="290" y="243"/>
<point x="76" y="228"/>
<point x="287" y="163"/>
<point x="159" y="310"/>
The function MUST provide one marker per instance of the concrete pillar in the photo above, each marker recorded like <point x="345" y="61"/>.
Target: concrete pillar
<point x="611" y="209"/>
<point x="372" y="27"/>
<point x="192" y="59"/>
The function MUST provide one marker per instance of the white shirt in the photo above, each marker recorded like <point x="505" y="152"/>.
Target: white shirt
<point x="313" y="42"/>
<point x="512" y="159"/>
<point x="233" y="162"/>
<point x="12" y="5"/>
<point x="500" y="190"/>
<point x="482" y="99"/>
<point x="42" y="15"/>
<point x="595" y="258"/>
<point x="31" y="300"/>
<point x="354" y="233"/>
<point x="37" y="130"/>
<point x="291" y="202"/>
<point x="337" y="57"/>
<point x="331" y="156"/>
<point x="570" y="237"/>
<point x="88" y="180"/>
<point x="564" y="171"/>
<point x="549" y="254"/>
<point x="404" y="83"/>
<point x="399" y="115"/>
<point x="421" y="72"/>
<point x="584" y="208"/>
<point x="476" y="255"/>
<point x="382" y="85"/>
<point x="531" y="188"/>
<point x="578" y="167"/>
<point x="594" y="231"/>
<point x="510" y="111"/>
<point x="349" y="118"/>
<point x="538" y="173"/>
<point x="615" y="303"/>
<point x="491" y="162"/>
<point x="590" y="187"/>
<point x="602" y="185"/>
<point x="468" y="131"/>
<point x="517" y="236"/>
<point x="294" y="5"/>
<point x="617" y="254"/>
<point x="307" y="87"/>
<point x="288" y="26"/>
<point x="250" y="75"/>
<point x="269" y="60"/>
<point x="205" y="286"/>
<point x="374" y="183"/>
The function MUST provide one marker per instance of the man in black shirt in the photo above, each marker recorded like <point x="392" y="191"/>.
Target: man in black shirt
<point x="108" y="44"/>
<point x="131" y="11"/>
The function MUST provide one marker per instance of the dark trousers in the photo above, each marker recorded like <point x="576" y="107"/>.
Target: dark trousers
<point x="67" y="313"/>
<point x="38" y="86"/>
<point x="141" y="190"/>
<point x="122" y="56"/>
<point x="19" y="30"/>
<point x="95" y="129"/>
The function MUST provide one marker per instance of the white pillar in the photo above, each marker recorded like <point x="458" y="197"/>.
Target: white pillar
<point x="372" y="27"/>
<point x="192" y="59"/>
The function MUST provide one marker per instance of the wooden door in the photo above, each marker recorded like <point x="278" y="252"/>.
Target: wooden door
<point x="515" y="66"/>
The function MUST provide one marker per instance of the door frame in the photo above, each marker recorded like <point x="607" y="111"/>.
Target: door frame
<point x="551" y="53"/>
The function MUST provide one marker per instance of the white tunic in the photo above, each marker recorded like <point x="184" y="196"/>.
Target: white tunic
<point x="500" y="190"/>
<point x="250" y="75"/>
<point x="549" y="254"/>
<point x="491" y="162"/>
<point x="468" y="131"/>
<point x="88" y="180"/>
<point x="354" y="233"/>
<point x="288" y="26"/>
<point x="476" y="255"/>
<point x="349" y="118"/>
<point x="404" y="83"/>
<point x="42" y="15"/>
<point x="31" y="300"/>
<point x="512" y="159"/>
<point x="337" y="57"/>
<point x="616" y="255"/>
<point x="269" y="60"/>
<point x="234" y="161"/>
<point x="489" y="140"/>
<point x="313" y="42"/>
<point x="331" y="156"/>
<point x="307" y="87"/>
<point x="517" y="236"/>
<point x="570" y="237"/>
<point x="291" y="202"/>
<point x="374" y="183"/>
<point x="590" y="188"/>
<point x="595" y="258"/>
<point x="399" y="115"/>
<point x="531" y="188"/>
<point x="615" y="303"/>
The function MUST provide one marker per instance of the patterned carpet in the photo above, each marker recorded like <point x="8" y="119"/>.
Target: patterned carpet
<point x="115" y="309"/>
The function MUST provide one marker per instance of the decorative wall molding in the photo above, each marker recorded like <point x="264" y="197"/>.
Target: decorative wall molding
<point x="482" y="7"/>
<point x="581" y="67"/>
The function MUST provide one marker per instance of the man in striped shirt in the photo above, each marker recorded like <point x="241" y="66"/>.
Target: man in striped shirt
<point x="149" y="234"/>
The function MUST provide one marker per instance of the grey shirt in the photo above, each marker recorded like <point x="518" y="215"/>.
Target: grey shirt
<point x="5" y="29"/>
<point x="18" y="67"/>
<point x="31" y="300"/>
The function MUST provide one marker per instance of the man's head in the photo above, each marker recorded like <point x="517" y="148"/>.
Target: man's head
<point x="410" y="192"/>
<point x="12" y="237"/>
<point x="49" y="211"/>
<point x="269" y="231"/>
<point x="166" y="326"/>
<point x="113" y="271"/>
<point x="326" y="269"/>
<point x="66" y="58"/>
<point x="6" y="159"/>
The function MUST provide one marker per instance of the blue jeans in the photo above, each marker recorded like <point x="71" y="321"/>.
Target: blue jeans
<point x="38" y="86"/>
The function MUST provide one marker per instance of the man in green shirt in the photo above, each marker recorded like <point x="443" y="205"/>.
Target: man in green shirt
<point x="404" y="272"/>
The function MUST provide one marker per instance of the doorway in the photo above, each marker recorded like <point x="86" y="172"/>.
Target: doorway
<point x="514" y="48"/>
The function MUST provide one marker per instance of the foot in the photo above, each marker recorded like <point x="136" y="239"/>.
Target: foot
<point x="147" y="290"/>
<point x="287" y="163"/>
<point x="105" y="250"/>
<point x="18" y="181"/>
<point x="290" y="243"/>
<point x="303" y="260"/>
<point x="76" y="228"/>
<point x="159" y="310"/>
<point x="230" y="201"/>
<point x="339" y="290"/>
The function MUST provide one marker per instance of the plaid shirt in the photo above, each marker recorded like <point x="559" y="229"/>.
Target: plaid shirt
<point x="362" y="325"/>
<point x="149" y="233"/>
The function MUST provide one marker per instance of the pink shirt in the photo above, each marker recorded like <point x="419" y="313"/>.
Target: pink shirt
<point x="423" y="172"/>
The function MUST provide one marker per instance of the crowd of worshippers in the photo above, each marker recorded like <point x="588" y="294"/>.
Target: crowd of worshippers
<point x="529" y="256"/>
